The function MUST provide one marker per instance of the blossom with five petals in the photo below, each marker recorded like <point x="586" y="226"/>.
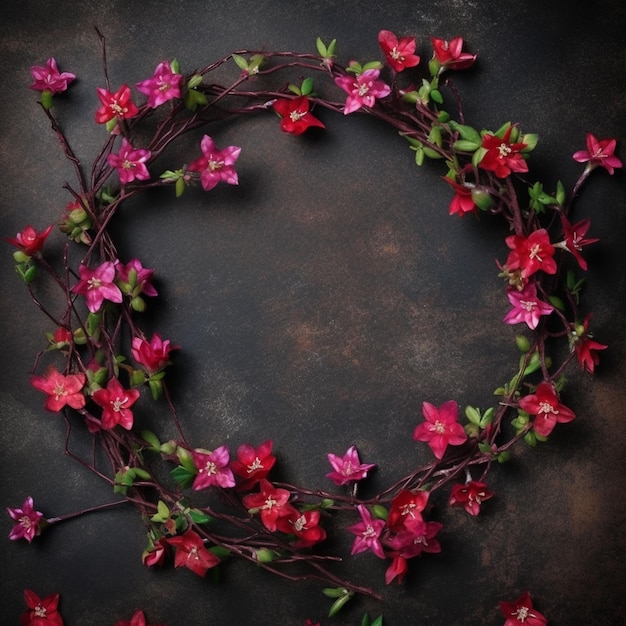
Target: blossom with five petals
<point x="252" y="464"/>
<point x="599" y="153"/>
<point x="463" y="201"/>
<point x="441" y="427"/>
<point x="544" y="404"/>
<point x="399" y="53"/>
<point x="135" y="279"/>
<point x="295" y="115"/>
<point x="116" y="402"/>
<point x="215" y="165"/>
<point x="41" y="612"/>
<point x="367" y="532"/>
<point x="130" y="162"/>
<point x="154" y="355"/>
<point x="527" y="307"/>
<point x="62" y="390"/>
<point x="154" y="554"/>
<point x="97" y="285"/>
<point x="212" y="469"/>
<point x="29" y="241"/>
<point x="162" y="86"/>
<point x="191" y="553"/>
<point x="362" y="89"/>
<point x="585" y="346"/>
<point x="28" y="521"/>
<point x="347" y="469"/>
<point x="138" y="619"/>
<point x="575" y="239"/>
<point x="502" y="157"/>
<point x="520" y="612"/>
<point x="270" y="502"/>
<point x="48" y="78"/>
<point x="531" y="254"/>
<point x="304" y="525"/>
<point x="470" y="496"/>
<point x="450" y="53"/>
<point x="416" y="538"/>
<point x="115" y="105"/>
<point x="406" y="508"/>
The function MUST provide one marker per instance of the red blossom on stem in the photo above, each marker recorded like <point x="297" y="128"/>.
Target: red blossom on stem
<point x="599" y="153"/>
<point x="191" y="553"/>
<point x="520" y="612"/>
<point x="347" y="469"/>
<point x="130" y="162"/>
<point x="154" y="555"/>
<point x="138" y="619"/>
<point x="212" y="469"/>
<point x="575" y="239"/>
<point x="270" y="502"/>
<point x="28" y="521"/>
<point x="41" y="612"/>
<point x="215" y="165"/>
<point x="154" y="355"/>
<point x="162" y="86"/>
<point x="463" y="201"/>
<point x="585" y="346"/>
<point x="295" y="115"/>
<point x="304" y="525"/>
<point x="450" y="53"/>
<point x="440" y="428"/>
<point x="115" y="105"/>
<point x="417" y="537"/>
<point x="116" y="402"/>
<point x="470" y="496"/>
<point x="502" y="157"/>
<point x="367" y="532"/>
<point x="62" y="390"/>
<point x="399" y="53"/>
<point x="134" y="279"/>
<point x="29" y="241"/>
<point x="252" y="464"/>
<point x="406" y="508"/>
<point x="531" y="254"/>
<point x="544" y="404"/>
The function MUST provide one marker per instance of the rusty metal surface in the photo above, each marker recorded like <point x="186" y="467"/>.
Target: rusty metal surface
<point x="321" y="301"/>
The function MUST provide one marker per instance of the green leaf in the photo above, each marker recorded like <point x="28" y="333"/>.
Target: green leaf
<point x="465" y="145"/>
<point x="199" y="517"/>
<point x="338" y="604"/>
<point x="557" y="303"/>
<point x="183" y="476"/>
<point x="467" y="132"/>
<point x="242" y="63"/>
<point x="431" y="154"/>
<point x="321" y="47"/>
<point x="472" y="414"/>
<point x="435" y="94"/>
<point x="334" y="592"/>
<point x="307" y="86"/>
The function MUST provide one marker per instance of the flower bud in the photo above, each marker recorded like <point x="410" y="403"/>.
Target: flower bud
<point x="264" y="555"/>
<point x="380" y="512"/>
<point x="482" y="199"/>
<point x="523" y="345"/>
<point x="169" y="447"/>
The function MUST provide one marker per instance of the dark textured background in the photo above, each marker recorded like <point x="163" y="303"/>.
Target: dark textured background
<point x="321" y="301"/>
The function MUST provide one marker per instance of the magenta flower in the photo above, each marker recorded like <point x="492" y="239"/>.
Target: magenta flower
<point x="164" y="85"/>
<point x="62" y="390"/>
<point x="502" y="157"/>
<point x="116" y="402"/>
<point x="115" y="105"/>
<point x="520" y="612"/>
<point x="399" y="53"/>
<point x="212" y="469"/>
<point x="41" y="612"/>
<point x="367" y="532"/>
<point x="348" y="468"/>
<point x="362" y="89"/>
<point x="599" y="153"/>
<point x="575" y="239"/>
<point x="526" y="306"/>
<point x="531" y="254"/>
<point x="450" y="53"/>
<point x="545" y="406"/>
<point x="28" y="521"/>
<point x="215" y="165"/>
<point x="415" y="538"/>
<point x="48" y="77"/>
<point x="270" y="502"/>
<point x="470" y="496"/>
<point x="252" y="464"/>
<point x="441" y="427"/>
<point x="154" y="355"/>
<point x="191" y="553"/>
<point x="135" y="279"/>
<point x="97" y="285"/>
<point x="585" y="346"/>
<point x="130" y="163"/>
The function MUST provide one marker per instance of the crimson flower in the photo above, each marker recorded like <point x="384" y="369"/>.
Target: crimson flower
<point x="406" y="508"/>
<point x="135" y="279"/>
<point x="154" y="554"/>
<point x="502" y="157"/>
<point x="252" y="464"/>
<point x="362" y="89"/>
<point x="526" y="306"/>
<point x="130" y="162"/>
<point x="440" y="428"/>
<point x="97" y="285"/>
<point x="585" y="346"/>
<point x="545" y="406"/>
<point x="271" y="503"/>
<point x="154" y="355"/>
<point x="450" y="54"/>
<point x="304" y="525"/>
<point x="599" y="152"/>
<point x="29" y="241"/>
<point x="470" y="496"/>
<point x="62" y="390"/>
<point x="295" y="115"/>
<point x="162" y="86"/>
<point x="399" y="53"/>
<point x="348" y="468"/>
<point x="215" y="165"/>
<point x="116" y="402"/>
<point x="115" y="105"/>
<point x="575" y="239"/>
<point x="417" y="537"/>
<point x="520" y="612"/>
<point x="531" y="254"/>
<point x="41" y="612"/>
<point x="463" y="201"/>
<point x="138" y="619"/>
<point x="191" y="553"/>
<point x="367" y="532"/>
<point x="398" y="569"/>
<point x="28" y="521"/>
<point x="48" y="77"/>
<point x="212" y="469"/>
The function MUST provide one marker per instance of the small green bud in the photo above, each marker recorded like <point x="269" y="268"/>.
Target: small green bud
<point x="264" y="555"/>
<point x="168" y="448"/>
<point x="380" y="512"/>
<point x="482" y="199"/>
<point x="138" y="304"/>
<point x="21" y="257"/>
<point x="46" y="99"/>
<point x="523" y="344"/>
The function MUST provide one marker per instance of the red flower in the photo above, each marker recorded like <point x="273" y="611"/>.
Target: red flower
<point x="398" y="569"/>
<point x="399" y="53"/>
<point x="585" y="346"/>
<point x="405" y="508"/>
<point x="61" y="390"/>
<point x="416" y="538"/>
<point x="153" y="355"/>
<point x="545" y="406"/>
<point x="115" y="105"/>
<point x="138" y="619"/>
<point x="41" y="612"/>
<point x="29" y="241"/>
<point x="599" y="152"/>
<point x="271" y="503"/>
<point x="441" y="427"/>
<point x="463" y="201"/>
<point x="521" y="613"/>
<point x="367" y="532"/>
<point x="154" y="554"/>
<point x="470" y="496"/>
<point x="28" y="521"/>
<point x="116" y="402"/>
<point x="295" y="115"/>
<point x="191" y="553"/>
<point x="502" y="157"/>
<point x="450" y="54"/>
<point x="575" y="239"/>
<point x="215" y="165"/>
<point x="304" y="525"/>
<point x="252" y="464"/>
<point x="531" y="254"/>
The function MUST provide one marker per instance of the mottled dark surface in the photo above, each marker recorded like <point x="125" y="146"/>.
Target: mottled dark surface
<point x="321" y="301"/>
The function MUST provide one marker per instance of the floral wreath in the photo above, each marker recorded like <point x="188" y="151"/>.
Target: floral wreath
<point x="98" y="360"/>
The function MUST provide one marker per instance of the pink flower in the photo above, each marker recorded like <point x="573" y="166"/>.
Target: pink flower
<point x="520" y="612"/>
<point x="470" y="496"/>
<point x="212" y="469"/>
<point x="575" y="239"/>
<point x="440" y="428"/>
<point x="362" y="89"/>
<point x="502" y="157"/>
<point x="545" y="406"/>
<point x="367" y="532"/>
<point x="130" y="163"/>
<point x="41" y="612"/>
<point x="153" y="355"/>
<point x="28" y="521"/>
<point x="138" y="619"/>
<point x="116" y="402"/>
<point x="295" y="115"/>
<point x="271" y="503"/>
<point x="526" y="306"/>
<point x="406" y="509"/>
<point x="48" y="77"/>
<point x="29" y="241"/>
<point x="304" y="525"/>
<point x="399" y="53"/>
<point x="164" y="85"/>
<point x="599" y="152"/>
<point x="115" y="105"/>
<point x="450" y="54"/>
<point x="191" y="553"/>
<point x="135" y="279"/>
<point x="585" y="346"/>
<point x="531" y="254"/>
<point x="252" y="464"/>
<point x="417" y="537"/>
<point x="215" y="165"/>
<point x="97" y="285"/>
<point x="348" y="468"/>
<point x="62" y="390"/>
